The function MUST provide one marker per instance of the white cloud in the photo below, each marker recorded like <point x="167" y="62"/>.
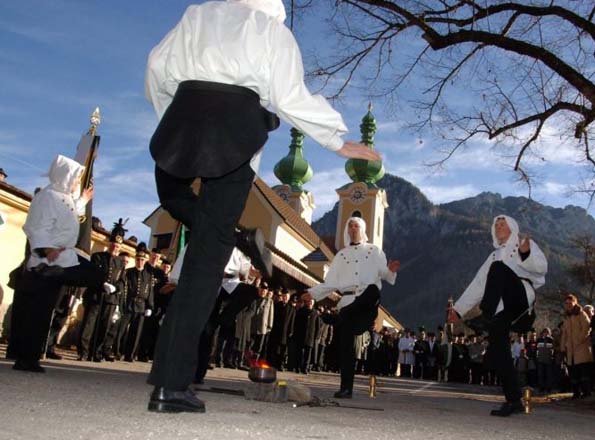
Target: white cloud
<point x="555" y="188"/>
<point x="37" y="34"/>
<point x="444" y="194"/>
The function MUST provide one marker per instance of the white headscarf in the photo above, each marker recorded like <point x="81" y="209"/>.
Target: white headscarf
<point x="513" y="240"/>
<point x="273" y="8"/>
<point x="508" y="252"/>
<point x="63" y="173"/>
<point x="362" y="229"/>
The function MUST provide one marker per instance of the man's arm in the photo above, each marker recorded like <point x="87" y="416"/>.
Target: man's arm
<point x="295" y="104"/>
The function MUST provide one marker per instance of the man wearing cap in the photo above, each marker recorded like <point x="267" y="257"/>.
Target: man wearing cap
<point x="138" y="303"/>
<point x="100" y="306"/>
<point x="355" y="275"/>
<point x="209" y="81"/>
<point x="151" y="324"/>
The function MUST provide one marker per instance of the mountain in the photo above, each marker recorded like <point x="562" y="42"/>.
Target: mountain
<point x="442" y="246"/>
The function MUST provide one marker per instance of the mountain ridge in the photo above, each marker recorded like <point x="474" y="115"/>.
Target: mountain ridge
<point x="442" y="246"/>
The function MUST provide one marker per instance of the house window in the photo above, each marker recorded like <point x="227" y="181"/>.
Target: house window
<point x="163" y="241"/>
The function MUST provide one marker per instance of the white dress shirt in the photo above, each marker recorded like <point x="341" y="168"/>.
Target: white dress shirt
<point x="238" y="266"/>
<point x="533" y="268"/>
<point x="353" y="269"/>
<point x="232" y="44"/>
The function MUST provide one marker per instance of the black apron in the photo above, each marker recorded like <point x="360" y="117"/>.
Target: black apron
<point x="210" y="129"/>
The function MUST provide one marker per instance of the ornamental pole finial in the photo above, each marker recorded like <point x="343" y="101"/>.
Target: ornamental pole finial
<point x="95" y="120"/>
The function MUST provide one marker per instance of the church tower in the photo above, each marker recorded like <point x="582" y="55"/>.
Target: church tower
<point x="293" y="171"/>
<point x="363" y="198"/>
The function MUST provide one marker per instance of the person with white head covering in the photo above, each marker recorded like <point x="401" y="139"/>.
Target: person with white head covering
<point x="504" y="290"/>
<point x="52" y="228"/>
<point x="210" y="80"/>
<point x="355" y="275"/>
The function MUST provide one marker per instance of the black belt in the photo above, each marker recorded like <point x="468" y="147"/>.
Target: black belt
<point x="228" y="276"/>
<point x="217" y="87"/>
<point x="347" y="293"/>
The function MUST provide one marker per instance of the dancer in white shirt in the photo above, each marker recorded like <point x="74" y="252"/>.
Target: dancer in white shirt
<point x="355" y="275"/>
<point x="52" y="228"/>
<point x="504" y="289"/>
<point x="209" y="80"/>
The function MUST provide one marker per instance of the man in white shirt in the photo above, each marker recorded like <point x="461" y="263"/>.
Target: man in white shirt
<point x="234" y="295"/>
<point x="504" y="290"/>
<point x="355" y="276"/>
<point x="210" y="80"/>
<point x="52" y="228"/>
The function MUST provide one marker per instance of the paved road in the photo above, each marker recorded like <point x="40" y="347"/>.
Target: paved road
<point x="83" y="400"/>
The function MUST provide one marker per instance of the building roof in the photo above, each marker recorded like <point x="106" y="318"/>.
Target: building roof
<point x="16" y="191"/>
<point x="292" y="218"/>
<point x="315" y="255"/>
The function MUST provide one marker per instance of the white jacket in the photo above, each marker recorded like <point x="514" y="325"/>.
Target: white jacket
<point x="533" y="268"/>
<point x="52" y="221"/>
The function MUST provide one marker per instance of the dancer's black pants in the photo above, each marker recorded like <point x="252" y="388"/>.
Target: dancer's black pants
<point x="503" y="284"/>
<point x="33" y="306"/>
<point x="355" y="319"/>
<point x="212" y="217"/>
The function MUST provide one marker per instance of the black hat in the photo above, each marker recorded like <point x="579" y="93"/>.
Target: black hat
<point x="165" y="261"/>
<point x="141" y="251"/>
<point x="3" y="173"/>
<point x="118" y="232"/>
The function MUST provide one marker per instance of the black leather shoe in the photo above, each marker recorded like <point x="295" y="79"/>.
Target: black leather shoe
<point x="53" y="355"/>
<point x="109" y="358"/>
<point x="344" y="394"/>
<point x="167" y="401"/>
<point x="480" y="324"/>
<point x="507" y="409"/>
<point x="32" y="367"/>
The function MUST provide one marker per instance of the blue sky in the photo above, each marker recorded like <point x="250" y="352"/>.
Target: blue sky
<point x="60" y="59"/>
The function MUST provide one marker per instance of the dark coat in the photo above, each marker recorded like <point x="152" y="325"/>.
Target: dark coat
<point x="139" y="291"/>
<point x="113" y="273"/>
<point x="312" y="328"/>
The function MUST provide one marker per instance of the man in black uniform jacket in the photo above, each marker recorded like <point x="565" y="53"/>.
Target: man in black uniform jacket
<point x="100" y="305"/>
<point x="138" y="303"/>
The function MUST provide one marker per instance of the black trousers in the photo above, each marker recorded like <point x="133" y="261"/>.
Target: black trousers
<point x="222" y="318"/>
<point x="133" y="325"/>
<point x="60" y="316"/>
<point x="90" y="318"/>
<point x="33" y="307"/>
<point x="503" y="283"/>
<point x="212" y="217"/>
<point x="355" y="319"/>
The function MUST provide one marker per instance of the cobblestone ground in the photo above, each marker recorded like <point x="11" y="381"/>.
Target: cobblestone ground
<point x="85" y="400"/>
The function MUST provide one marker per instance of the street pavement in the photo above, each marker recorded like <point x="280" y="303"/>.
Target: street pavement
<point x="86" y="400"/>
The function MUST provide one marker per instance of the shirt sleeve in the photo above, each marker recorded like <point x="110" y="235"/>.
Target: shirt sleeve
<point x="474" y="292"/>
<point x="40" y="222"/>
<point x="385" y="274"/>
<point x="536" y="262"/>
<point x="292" y="100"/>
<point x="330" y="284"/>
